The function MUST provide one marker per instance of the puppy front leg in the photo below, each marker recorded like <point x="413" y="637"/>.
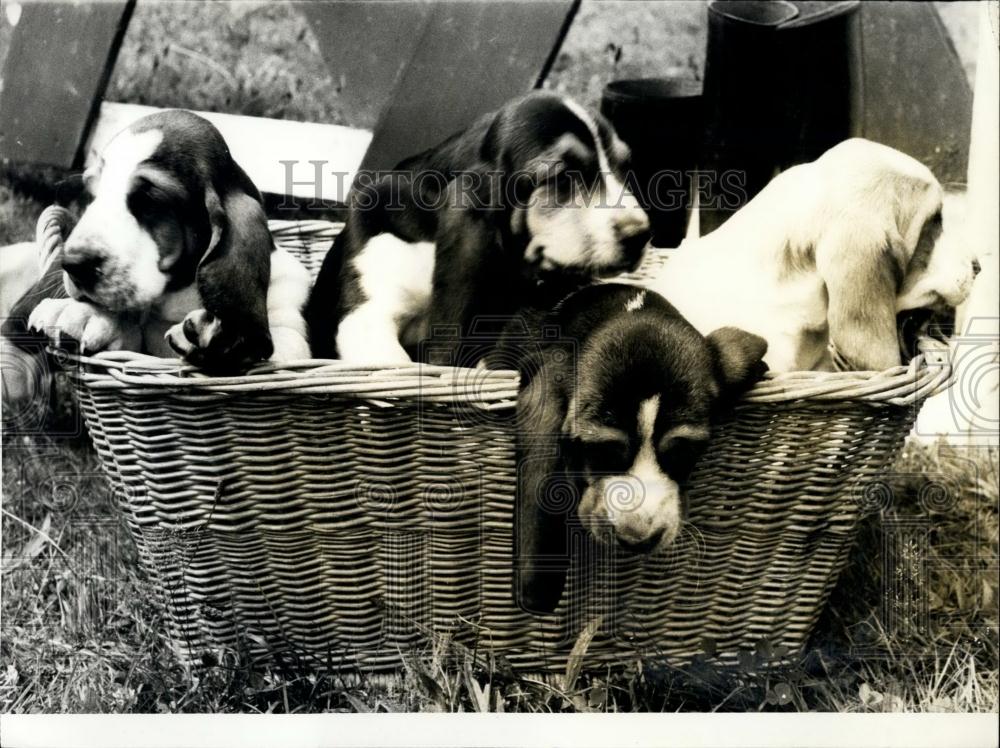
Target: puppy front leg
<point x="286" y="297"/>
<point x="370" y="335"/>
<point x="453" y="310"/>
<point x="93" y="328"/>
<point x="541" y="532"/>
<point x="203" y="340"/>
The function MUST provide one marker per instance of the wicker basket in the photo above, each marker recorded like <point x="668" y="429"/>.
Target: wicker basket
<point x="341" y="514"/>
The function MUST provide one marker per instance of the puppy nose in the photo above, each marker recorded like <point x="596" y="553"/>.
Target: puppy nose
<point x="641" y="546"/>
<point x="83" y="264"/>
<point x="633" y="244"/>
<point x="976" y="267"/>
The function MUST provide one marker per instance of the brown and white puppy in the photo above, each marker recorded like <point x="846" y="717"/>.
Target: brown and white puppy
<point x="615" y="407"/>
<point x="173" y="254"/>
<point x="828" y="252"/>
<point x="527" y="199"/>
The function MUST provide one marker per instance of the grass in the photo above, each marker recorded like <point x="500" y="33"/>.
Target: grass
<point x="255" y="58"/>
<point x="80" y="634"/>
<point x="18" y="214"/>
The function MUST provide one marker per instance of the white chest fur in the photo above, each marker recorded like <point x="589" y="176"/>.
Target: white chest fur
<point x="396" y="278"/>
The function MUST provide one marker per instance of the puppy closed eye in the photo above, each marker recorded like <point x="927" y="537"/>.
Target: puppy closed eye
<point x="563" y="181"/>
<point x="563" y="184"/>
<point x="580" y="168"/>
<point x="678" y="455"/>
<point x="147" y="197"/>
<point x="605" y="455"/>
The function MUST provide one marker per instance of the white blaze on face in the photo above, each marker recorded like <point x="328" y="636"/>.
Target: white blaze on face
<point x="643" y="505"/>
<point x="586" y="232"/>
<point x="131" y="276"/>
<point x="658" y="510"/>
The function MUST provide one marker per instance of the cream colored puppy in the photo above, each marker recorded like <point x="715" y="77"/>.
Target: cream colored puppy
<point x="828" y="252"/>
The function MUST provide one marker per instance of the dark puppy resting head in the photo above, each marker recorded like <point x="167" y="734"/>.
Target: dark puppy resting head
<point x="566" y="186"/>
<point x="161" y="192"/>
<point x="554" y="178"/>
<point x="622" y="432"/>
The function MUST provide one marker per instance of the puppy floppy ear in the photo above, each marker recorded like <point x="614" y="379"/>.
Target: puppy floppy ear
<point x="861" y="269"/>
<point x="471" y="278"/>
<point x="541" y="543"/>
<point x="738" y="358"/>
<point x="235" y="270"/>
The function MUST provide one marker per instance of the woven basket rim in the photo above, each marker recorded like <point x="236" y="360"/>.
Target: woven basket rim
<point x="926" y="374"/>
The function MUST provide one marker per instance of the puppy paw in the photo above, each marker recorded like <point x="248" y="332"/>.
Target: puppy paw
<point x="196" y="331"/>
<point x="202" y="339"/>
<point x="92" y="327"/>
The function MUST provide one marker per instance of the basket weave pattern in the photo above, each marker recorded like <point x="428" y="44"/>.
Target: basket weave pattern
<point x="343" y="513"/>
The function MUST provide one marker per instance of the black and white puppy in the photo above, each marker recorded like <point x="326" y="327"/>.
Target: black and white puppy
<point x="486" y="223"/>
<point x="617" y="424"/>
<point x="173" y="254"/>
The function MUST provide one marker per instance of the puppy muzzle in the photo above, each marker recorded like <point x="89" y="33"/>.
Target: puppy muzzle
<point x="640" y="516"/>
